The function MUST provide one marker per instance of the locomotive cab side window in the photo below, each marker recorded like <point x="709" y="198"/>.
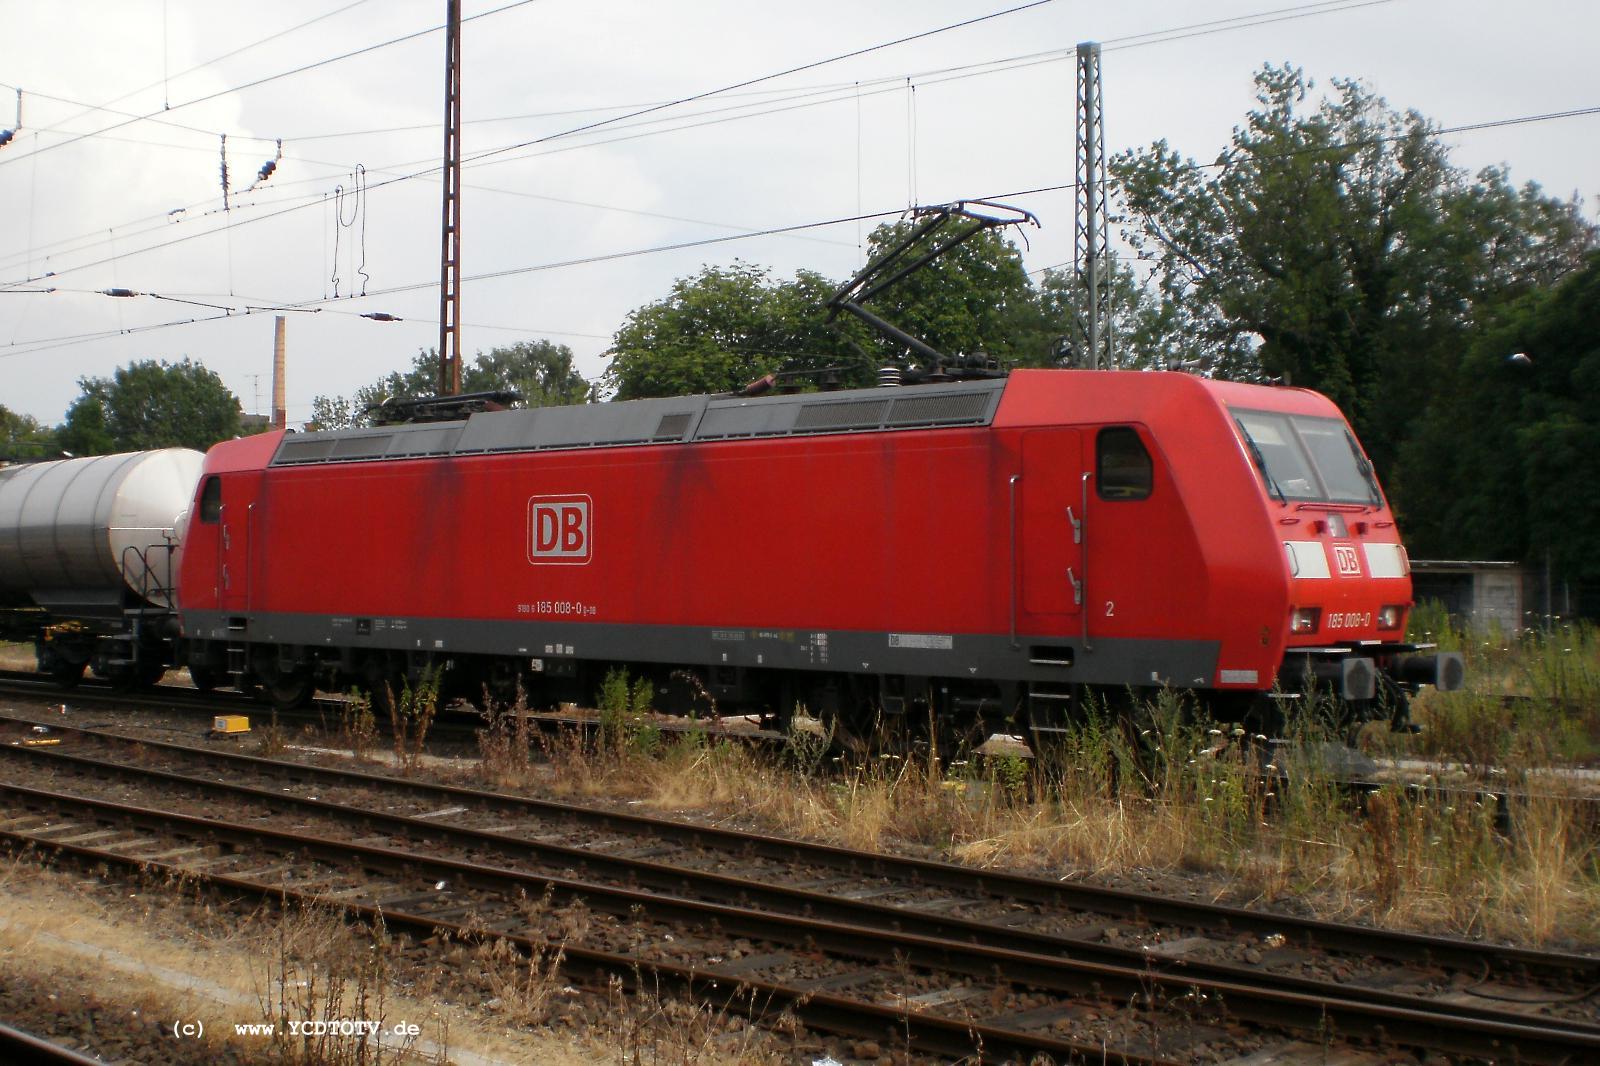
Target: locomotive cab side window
<point x="211" y="500"/>
<point x="1123" y="470"/>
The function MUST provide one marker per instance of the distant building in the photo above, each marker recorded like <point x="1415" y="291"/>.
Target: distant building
<point x="1476" y="592"/>
<point x="1481" y="592"/>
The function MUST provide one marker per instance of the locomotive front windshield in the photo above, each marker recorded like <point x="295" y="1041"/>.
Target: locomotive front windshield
<point x="1306" y="458"/>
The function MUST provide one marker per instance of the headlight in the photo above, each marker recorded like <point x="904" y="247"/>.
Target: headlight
<point x="1304" y="619"/>
<point x="1391" y="616"/>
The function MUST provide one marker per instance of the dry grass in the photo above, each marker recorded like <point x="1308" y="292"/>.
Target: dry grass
<point x="154" y="950"/>
<point x="324" y="971"/>
<point x="1172" y="798"/>
<point x="658" y="1029"/>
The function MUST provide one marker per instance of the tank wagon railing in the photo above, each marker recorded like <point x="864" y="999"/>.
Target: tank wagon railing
<point x="150" y="587"/>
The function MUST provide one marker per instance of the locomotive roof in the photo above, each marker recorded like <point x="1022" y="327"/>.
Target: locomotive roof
<point x="674" y="420"/>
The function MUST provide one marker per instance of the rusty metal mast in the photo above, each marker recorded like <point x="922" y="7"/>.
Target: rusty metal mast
<point x="450" y="233"/>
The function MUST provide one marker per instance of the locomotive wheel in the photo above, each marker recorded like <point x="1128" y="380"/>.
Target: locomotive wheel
<point x="123" y="677"/>
<point x="149" y="674"/>
<point x="289" y="691"/>
<point x="205" y="679"/>
<point x="378" y="681"/>
<point x="66" y="674"/>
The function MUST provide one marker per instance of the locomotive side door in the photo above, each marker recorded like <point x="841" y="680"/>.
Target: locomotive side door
<point x="1049" y="529"/>
<point x="234" y="559"/>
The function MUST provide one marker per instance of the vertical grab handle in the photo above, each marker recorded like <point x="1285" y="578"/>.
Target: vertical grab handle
<point x="222" y="553"/>
<point x="1080" y="534"/>
<point x="1014" y="479"/>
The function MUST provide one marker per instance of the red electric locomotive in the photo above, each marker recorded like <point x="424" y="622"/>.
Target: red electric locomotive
<point x="981" y="551"/>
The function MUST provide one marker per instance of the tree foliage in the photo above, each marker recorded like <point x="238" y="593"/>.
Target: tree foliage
<point x="1506" y="464"/>
<point x="541" y="372"/>
<point x="1143" y="331"/>
<point x="25" y="437"/>
<point x="974" y="299"/>
<point x="727" y="326"/>
<point x="1333" y="243"/>
<point x="150" y="404"/>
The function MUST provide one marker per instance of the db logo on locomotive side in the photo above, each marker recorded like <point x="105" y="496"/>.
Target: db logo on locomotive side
<point x="558" y="529"/>
<point x="1347" y="559"/>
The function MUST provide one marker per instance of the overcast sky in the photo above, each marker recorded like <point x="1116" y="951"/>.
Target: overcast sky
<point x="830" y="142"/>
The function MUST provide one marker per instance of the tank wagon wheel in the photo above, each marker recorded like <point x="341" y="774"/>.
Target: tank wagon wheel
<point x="149" y="674"/>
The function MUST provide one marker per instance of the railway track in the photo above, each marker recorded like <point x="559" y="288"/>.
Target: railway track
<point x="932" y="936"/>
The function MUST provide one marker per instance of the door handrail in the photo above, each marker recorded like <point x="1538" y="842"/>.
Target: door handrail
<point x="1083" y="559"/>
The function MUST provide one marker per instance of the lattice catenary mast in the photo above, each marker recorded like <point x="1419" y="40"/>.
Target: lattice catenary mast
<point x="1091" y="247"/>
<point x="450" y="234"/>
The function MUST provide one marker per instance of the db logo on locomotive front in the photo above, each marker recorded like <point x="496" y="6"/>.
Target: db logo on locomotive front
<point x="1349" y="562"/>
<point x="558" y="529"/>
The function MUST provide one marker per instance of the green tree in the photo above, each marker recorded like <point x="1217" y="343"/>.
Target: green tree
<point x="25" y="437"/>
<point x="1143" y="332"/>
<point x="331" y="412"/>
<point x="541" y="372"/>
<point x="1334" y="243"/>
<point x="1506" y="465"/>
<point x="150" y="404"/>
<point x="975" y="298"/>
<point x="725" y="327"/>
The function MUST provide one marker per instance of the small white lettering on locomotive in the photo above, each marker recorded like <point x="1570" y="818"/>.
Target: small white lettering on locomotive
<point x="559" y="529"/>
<point x="1348" y="561"/>
<point x="925" y="641"/>
<point x="1349" y="620"/>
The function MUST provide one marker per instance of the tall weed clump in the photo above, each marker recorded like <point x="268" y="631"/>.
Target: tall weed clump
<point x="1532" y="694"/>
<point x="411" y="714"/>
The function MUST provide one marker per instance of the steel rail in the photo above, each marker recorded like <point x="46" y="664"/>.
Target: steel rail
<point x="1397" y="946"/>
<point x="1432" y="1028"/>
<point x="770" y="898"/>
<point x="925" y="1032"/>
<point x="25" y="1049"/>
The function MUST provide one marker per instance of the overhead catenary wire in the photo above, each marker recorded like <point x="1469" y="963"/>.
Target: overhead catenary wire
<point x="595" y="125"/>
<point x="44" y="344"/>
<point x="290" y="73"/>
<point x="928" y="77"/>
<point x="965" y="70"/>
<point x="165" y="77"/>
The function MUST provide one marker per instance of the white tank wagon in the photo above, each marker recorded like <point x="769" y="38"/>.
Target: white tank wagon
<point x="80" y="536"/>
<point x="93" y="542"/>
